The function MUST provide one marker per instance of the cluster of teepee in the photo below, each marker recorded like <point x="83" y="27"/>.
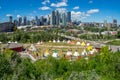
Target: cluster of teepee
<point x="72" y="55"/>
<point x="88" y="50"/>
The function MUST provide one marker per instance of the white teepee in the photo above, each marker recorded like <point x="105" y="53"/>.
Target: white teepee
<point x="54" y="41"/>
<point x="32" y="48"/>
<point x="76" y="54"/>
<point x="78" y="43"/>
<point x="55" y="54"/>
<point x="84" y="53"/>
<point x="69" y="53"/>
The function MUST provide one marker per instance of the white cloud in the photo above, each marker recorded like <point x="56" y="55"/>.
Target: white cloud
<point x="59" y="4"/>
<point x="87" y="15"/>
<point x="44" y="8"/>
<point x="62" y="10"/>
<point x="76" y="7"/>
<point x="76" y="13"/>
<point x="30" y="17"/>
<point x="45" y="1"/>
<point x="18" y="16"/>
<point x="90" y="2"/>
<point x="91" y="11"/>
<point x="79" y="15"/>
<point x="8" y="15"/>
<point x="84" y="17"/>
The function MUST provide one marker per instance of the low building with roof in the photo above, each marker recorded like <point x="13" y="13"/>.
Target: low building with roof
<point x="14" y="46"/>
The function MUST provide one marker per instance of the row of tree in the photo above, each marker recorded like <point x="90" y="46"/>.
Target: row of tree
<point x="29" y="37"/>
<point x="97" y="37"/>
<point x="104" y="66"/>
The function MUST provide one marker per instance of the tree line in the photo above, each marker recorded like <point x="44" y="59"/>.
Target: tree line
<point x="29" y="37"/>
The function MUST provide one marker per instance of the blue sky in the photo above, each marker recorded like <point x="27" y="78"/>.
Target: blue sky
<point x="84" y="10"/>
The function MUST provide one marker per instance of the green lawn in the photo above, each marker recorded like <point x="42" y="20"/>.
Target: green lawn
<point x="115" y="42"/>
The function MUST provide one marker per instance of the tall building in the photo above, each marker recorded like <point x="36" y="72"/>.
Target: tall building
<point x="25" y="20"/>
<point x="10" y="19"/>
<point x="53" y="18"/>
<point x="41" y="20"/>
<point x="20" y="21"/>
<point x="105" y="23"/>
<point x="15" y="22"/>
<point x="68" y="17"/>
<point x="48" y="19"/>
<point x="64" y="19"/>
<point x="114" y="23"/>
<point x="36" y="18"/>
<point x="57" y="18"/>
<point x="37" y="22"/>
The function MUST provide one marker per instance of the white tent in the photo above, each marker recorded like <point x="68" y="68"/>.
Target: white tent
<point x="32" y="48"/>
<point x="9" y="42"/>
<point x="55" y="54"/>
<point x="38" y="43"/>
<point x="68" y="41"/>
<point x="84" y="53"/>
<point x="78" y="43"/>
<point x="69" y="53"/>
<point x="88" y="44"/>
<point x="54" y="41"/>
<point x="16" y="42"/>
<point x="76" y="54"/>
<point x="58" y="40"/>
<point x="92" y="51"/>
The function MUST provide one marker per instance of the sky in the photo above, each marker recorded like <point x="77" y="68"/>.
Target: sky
<point x="84" y="10"/>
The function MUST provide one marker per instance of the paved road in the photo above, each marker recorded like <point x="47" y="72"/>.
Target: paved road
<point x="113" y="47"/>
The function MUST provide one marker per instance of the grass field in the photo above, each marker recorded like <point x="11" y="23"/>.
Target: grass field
<point x="115" y="42"/>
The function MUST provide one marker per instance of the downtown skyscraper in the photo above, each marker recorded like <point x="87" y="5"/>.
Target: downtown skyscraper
<point x="114" y="23"/>
<point x="25" y="20"/>
<point x="10" y="19"/>
<point x="58" y="19"/>
<point x="53" y="18"/>
<point x="19" y="21"/>
<point x="64" y="19"/>
<point x="68" y="17"/>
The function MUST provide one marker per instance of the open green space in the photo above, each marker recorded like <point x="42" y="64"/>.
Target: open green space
<point x="114" y="42"/>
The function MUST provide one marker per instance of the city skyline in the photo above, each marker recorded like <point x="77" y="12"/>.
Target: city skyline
<point x="84" y="10"/>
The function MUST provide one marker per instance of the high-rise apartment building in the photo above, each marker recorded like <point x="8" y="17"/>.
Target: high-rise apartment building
<point x="10" y="19"/>
<point x="53" y="18"/>
<point x="64" y="20"/>
<point x="114" y="23"/>
<point x="68" y="17"/>
<point x="57" y="18"/>
<point x="25" y="20"/>
<point x="20" y="21"/>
